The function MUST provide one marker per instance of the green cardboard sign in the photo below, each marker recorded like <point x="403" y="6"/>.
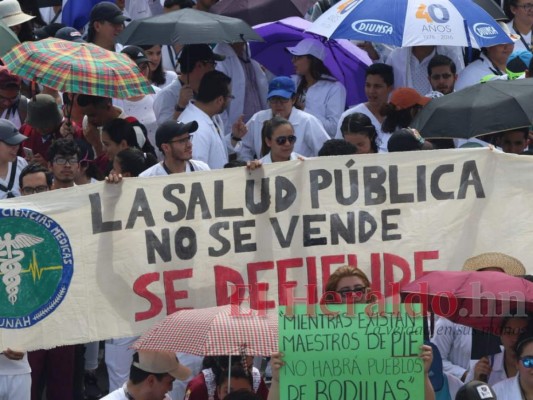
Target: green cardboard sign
<point x="350" y="355"/>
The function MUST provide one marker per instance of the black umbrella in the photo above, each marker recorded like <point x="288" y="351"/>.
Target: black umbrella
<point x="493" y="9"/>
<point x="478" y="110"/>
<point x="258" y="11"/>
<point x="187" y="26"/>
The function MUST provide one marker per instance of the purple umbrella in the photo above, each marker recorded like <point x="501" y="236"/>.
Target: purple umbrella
<point x="346" y="61"/>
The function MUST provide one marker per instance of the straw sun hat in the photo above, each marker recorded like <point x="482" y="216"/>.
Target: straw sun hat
<point x="11" y="14"/>
<point x="509" y="265"/>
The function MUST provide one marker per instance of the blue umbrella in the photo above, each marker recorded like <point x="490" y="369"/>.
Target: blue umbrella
<point x="346" y="61"/>
<point x="411" y="23"/>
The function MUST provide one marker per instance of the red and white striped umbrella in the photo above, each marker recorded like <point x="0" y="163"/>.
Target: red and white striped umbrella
<point x="225" y="330"/>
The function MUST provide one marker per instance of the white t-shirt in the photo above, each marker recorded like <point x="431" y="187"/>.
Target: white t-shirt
<point x="21" y="163"/>
<point x="159" y="170"/>
<point x="120" y="394"/>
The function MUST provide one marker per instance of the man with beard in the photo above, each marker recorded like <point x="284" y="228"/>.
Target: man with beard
<point x="175" y="142"/>
<point x="210" y="145"/>
<point x="442" y="74"/>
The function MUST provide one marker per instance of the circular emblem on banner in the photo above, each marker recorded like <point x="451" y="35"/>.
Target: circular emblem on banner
<point x="36" y="266"/>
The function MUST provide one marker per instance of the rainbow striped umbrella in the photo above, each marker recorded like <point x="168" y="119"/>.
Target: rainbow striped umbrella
<point x="77" y="68"/>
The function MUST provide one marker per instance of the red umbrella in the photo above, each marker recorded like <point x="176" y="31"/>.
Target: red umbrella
<point x="225" y="330"/>
<point x="479" y="299"/>
<point x="259" y="11"/>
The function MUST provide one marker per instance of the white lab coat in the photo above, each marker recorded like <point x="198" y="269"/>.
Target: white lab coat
<point x="474" y="72"/>
<point x="326" y="100"/>
<point x="454" y="342"/>
<point x="232" y="67"/>
<point x="508" y="389"/>
<point x="208" y="144"/>
<point x="308" y="129"/>
<point x="166" y="100"/>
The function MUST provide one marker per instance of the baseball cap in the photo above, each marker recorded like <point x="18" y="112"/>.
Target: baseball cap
<point x="519" y="61"/>
<point x="7" y="78"/>
<point x="9" y="133"/>
<point x="282" y="86"/>
<point x="192" y="53"/>
<point x="168" y="130"/>
<point x="158" y="362"/>
<point x="475" y="390"/>
<point x="136" y="54"/>
<point x="107" y="11"/>
<point x="70" y="34"/>
<point x="48" y="30"/>
<point x="405" y="97"/>
<point x="309" y="46"/>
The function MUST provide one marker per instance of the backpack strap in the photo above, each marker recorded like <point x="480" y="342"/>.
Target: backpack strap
<point x="11" y="182"/>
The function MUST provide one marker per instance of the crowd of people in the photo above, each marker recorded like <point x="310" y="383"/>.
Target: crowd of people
<point x="215" y="107"/>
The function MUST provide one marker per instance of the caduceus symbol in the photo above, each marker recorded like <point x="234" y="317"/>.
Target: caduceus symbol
<point x="10" y="265"/>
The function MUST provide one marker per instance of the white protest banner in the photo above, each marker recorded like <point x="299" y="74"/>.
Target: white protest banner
<point x="100" y="261"/>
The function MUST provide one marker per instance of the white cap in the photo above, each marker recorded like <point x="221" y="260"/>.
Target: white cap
<point x="309" y="46"/>
<point x="158" y="362"/>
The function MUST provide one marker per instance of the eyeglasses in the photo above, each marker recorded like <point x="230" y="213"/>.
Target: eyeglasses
<point x="27" y="190"/>
<point x="63" y="161"/>
<point x="278" y="100"/>
<point x="527" y="361"/>
<point x="212" y="62"/>
<point x="281" y="140"/>
<point x="230" y="96"/>
<point x="357" y="290"/>
<point x="436" y="77"/>
<point x="527" y="6"/>
<point x="182" y="140"/>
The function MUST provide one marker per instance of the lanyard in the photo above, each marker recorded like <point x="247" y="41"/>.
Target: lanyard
<point x="528" y="46"/>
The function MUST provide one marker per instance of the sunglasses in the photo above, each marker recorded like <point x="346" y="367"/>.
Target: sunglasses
<point x="357" y="290"/>
<point x="527" y="361"/>
<point x="281" y="140"/>
<point x="436" y="77"/>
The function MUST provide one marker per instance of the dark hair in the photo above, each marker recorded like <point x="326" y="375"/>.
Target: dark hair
<point x="242" y="394"/>
<point x="525" y="132"/>
<point x="182" y="3"/>
<point x="336" y="147"/>
<point x="134" y="161"/>
<point x="507" y="8"/>
<point x="383" y="70"/>
<point x="269" y="126"/>
<point x="235" y="164"/>
<point x="91" y="32"/>
<point x="237" y="371"/>
<point x="317" y="69"/>
<point x="360" y="123"/>
<point x="213" y="84"/>
<point x="35" y="168"/>
<point x="440" y="60"/>
<point x="119" y="129"/>
<point x="523" y="340"/>
<point x="158" y="75"/>
<point x="138" y="375"/>
<point x="85" y="100"/>
<point x="395" y="119"/>
<point x="63" y="147"/>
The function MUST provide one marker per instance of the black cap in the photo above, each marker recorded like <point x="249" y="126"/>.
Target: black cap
<point x="475" y="390"/>
<point x="9" y="133"/>
<point x="192" y="53"/>
<point x="168" y="130"/>
<point x="107" y="11"/>
<point x="403" y="140"/>
<point x="70" y="34"/>
<point x="48" y="30"/>
<point x="136" y="54"/>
